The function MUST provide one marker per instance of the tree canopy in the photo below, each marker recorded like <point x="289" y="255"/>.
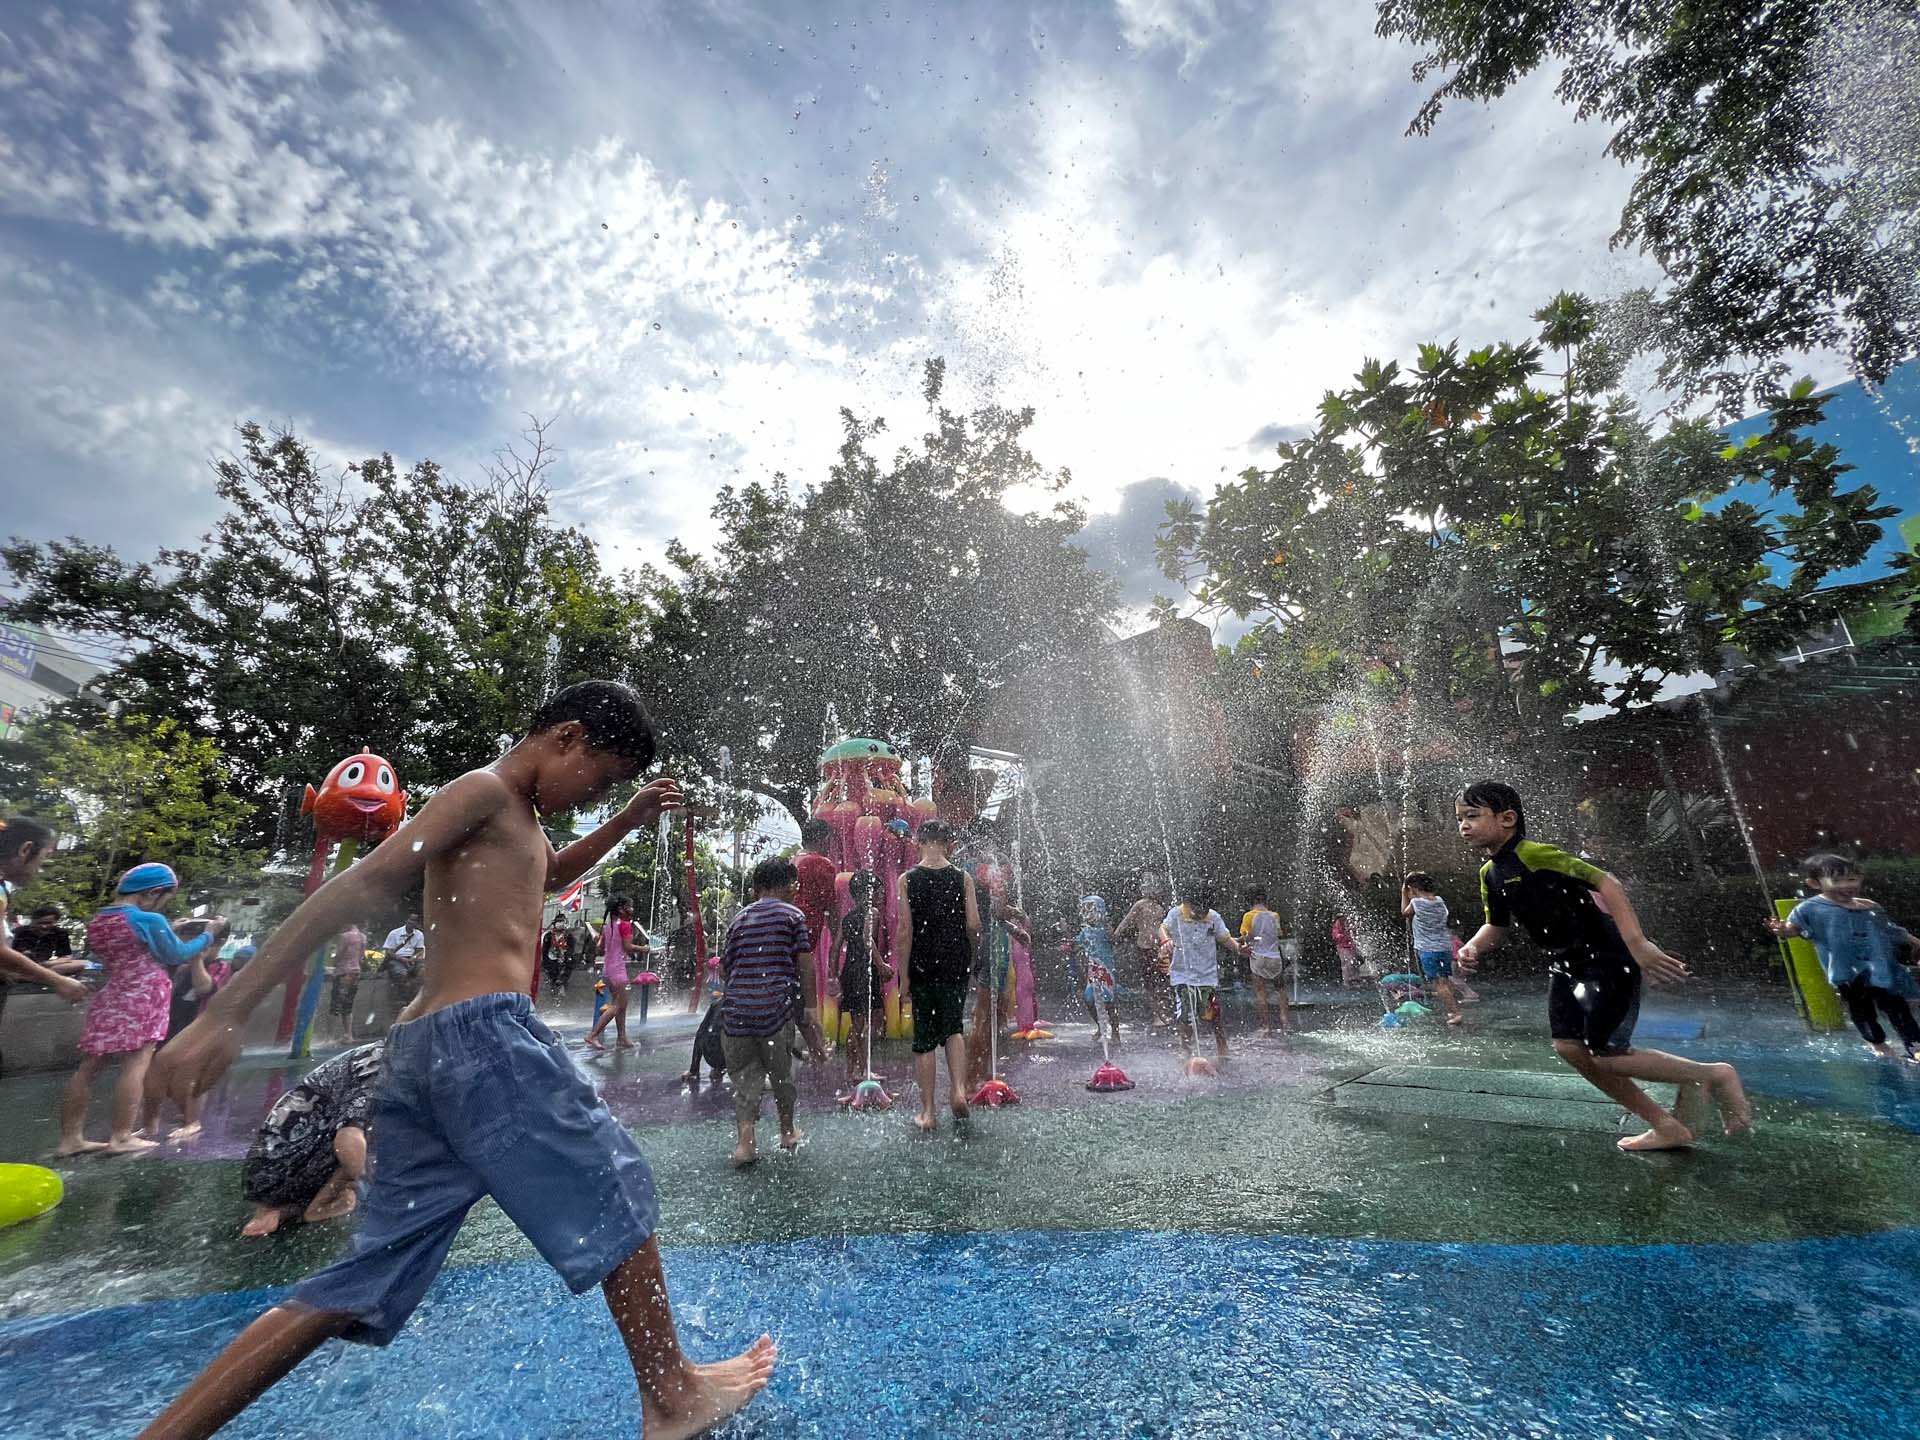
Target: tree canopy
<point x="1778" y="154"/>
<point x="1436" y="508"/>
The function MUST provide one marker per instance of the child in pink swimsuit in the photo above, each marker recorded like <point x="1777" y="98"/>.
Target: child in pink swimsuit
<point x="128" y="1018"/>
<point x="616" y="936"/>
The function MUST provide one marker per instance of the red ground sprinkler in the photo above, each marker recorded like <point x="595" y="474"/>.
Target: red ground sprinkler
<point x="1109" y="1077"/>
<point x="996" y="1092"/>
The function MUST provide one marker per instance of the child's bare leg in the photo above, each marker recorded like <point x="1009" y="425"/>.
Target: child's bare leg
<point x="978" y="1055"/>
<point x="1449" y="999"/>
<point x="73" y="1108"/>
<point x="677" y="1397"/>
<point x="190" y="1125"/>
<point x="780" y="1079"/>
<point x="856" y="1049"/>
<point x="1664" y="1132"/>
<point x="126" y="1103"/>
<point x="620" y="1021"/>
<point x="149" y="1119"/>
<point x="924" y="1074"/>
<point x="957" y="1075"/>
<point x="1280" y="1003"/>
<point x="1720" y="1080"/>
<point x="1219" y="1024"/>
<point x="250" y="1365"/>
<point x="1185" y="1033"/>
<point x="1260" y="1004"/>
<point x="331" y="1200"/>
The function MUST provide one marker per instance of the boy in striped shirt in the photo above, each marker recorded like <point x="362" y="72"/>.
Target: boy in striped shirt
<point x="761" y="965"/>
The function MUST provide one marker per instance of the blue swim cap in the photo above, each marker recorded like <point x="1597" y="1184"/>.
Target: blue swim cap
<point x="1093" y="903"/>
<point x="150" y="876"/>
<point x="243" y="954"/>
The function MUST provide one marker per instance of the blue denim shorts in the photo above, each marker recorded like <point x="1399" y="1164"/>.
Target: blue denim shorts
<point x="479" y="1099"/>
<point x="1436" y="964"/>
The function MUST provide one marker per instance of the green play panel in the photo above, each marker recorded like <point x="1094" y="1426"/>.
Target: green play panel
<point x="1499" y="1097"/>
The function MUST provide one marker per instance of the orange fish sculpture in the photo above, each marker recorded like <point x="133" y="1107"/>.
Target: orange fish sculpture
<point x="359" y="800"/>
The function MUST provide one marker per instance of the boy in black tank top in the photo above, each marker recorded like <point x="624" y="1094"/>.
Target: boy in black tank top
<point x="937" y="927"/>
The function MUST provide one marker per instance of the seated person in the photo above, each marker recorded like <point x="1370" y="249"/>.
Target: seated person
<point x="45" y="940"/>
<point x="312" y="1147"/>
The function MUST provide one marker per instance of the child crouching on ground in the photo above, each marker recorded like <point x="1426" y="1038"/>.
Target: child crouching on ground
<point x="1594" y="969"/>
<point x="477" y="1097"/>
<point x="1859" y="948"/>
<point x="767" y="946"/>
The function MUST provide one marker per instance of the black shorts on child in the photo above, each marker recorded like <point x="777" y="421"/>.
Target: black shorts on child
<point x="1593" y="996"/>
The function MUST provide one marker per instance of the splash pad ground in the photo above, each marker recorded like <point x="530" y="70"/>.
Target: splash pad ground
<point x="1246" y="1255"/>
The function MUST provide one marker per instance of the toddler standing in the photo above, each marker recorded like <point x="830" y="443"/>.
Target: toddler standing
<point x="1859" y="949"/>
<point x="128" y="1018"/>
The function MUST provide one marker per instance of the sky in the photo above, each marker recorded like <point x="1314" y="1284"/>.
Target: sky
<point x="687" y="234"/>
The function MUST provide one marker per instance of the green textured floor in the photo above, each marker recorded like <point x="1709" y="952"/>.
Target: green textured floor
<point x="1346" y="1132"/>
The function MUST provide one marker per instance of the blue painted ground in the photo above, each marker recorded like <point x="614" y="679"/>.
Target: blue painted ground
<point x="1110" y="1335"/>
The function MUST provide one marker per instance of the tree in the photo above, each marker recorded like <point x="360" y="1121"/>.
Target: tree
<point x="1460" y="533"/>
<point x="132" y="788"/>
<point x="398" y="610"/>
<point x="812" y="620"/>
<point x="1778" y="155"/>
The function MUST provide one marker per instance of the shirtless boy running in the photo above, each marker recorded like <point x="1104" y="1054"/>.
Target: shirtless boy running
<point x="477" y="1096"/>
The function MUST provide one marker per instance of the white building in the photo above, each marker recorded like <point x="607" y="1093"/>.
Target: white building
<point x="39" y="668"/>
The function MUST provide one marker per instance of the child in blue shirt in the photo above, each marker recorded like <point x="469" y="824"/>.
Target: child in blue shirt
<point x="1095" y="944"/>
<point x="1859" y="948"/>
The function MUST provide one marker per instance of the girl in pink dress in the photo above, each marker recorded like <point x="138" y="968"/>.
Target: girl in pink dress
<point x="616" y="937"/>
<point x="128" y="1018"/>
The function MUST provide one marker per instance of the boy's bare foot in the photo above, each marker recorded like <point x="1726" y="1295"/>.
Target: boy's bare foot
<point x="961" y="1109"/>
<point x="330" y="1207"/>
<point x="1883" y="1050"/>
<point x="744" y="1155"/>
<point x="80" y="1145"/>
<point x="1665" y="1135"/>
<point x="623" y="1045"/>
<point x="924" y="1121"/>
<point x="1456" y="1019"/>
<point x="264" y="1221"/>
<point x="185" y="1132"/>
<point x="710" y="1394"/>
<point x="792" y="1140"/>
<point x="592" y="1044"/>
<point x="1736" y="1112"/>
<point x="131" y="1145"/>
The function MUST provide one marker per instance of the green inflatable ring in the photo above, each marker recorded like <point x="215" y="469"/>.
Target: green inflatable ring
<point x="27" y="1191"/>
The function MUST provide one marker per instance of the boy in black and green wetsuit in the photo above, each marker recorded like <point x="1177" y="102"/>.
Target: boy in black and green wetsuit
<point x="1597" y="959"/>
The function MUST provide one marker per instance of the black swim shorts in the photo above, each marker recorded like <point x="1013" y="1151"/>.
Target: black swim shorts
<point x="1593" y="996"/>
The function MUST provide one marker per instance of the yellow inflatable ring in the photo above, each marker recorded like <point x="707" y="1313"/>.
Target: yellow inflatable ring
<point x="27" y="1191"/>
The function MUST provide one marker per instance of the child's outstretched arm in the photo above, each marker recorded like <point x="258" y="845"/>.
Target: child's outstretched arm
<point x="1487" y="937"/>
<point x="16" y="966"/>
<point x="568" y="865"/>
<point x="973" y="909"/>
<point x="199" y="1055"/>
<point x="1660" y="967"/>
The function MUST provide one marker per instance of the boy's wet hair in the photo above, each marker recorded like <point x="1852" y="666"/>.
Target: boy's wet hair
<point x="862" y="886"/>
<point x="814" y="833"/>
<point x="42" y="912"/>
<point x="1256" y="895"/>
<point x="1829" y="867"/>
<point x="620" y="904"/>
<point x="613" y="716"/>
<point x="774" y="872"/>
<point x="19" y="832"/>
<point x="1197" y="891"/>
<point x="934" y="831"/>
<point x="1497" y="796"/>
<point x="1419" y="880"/>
